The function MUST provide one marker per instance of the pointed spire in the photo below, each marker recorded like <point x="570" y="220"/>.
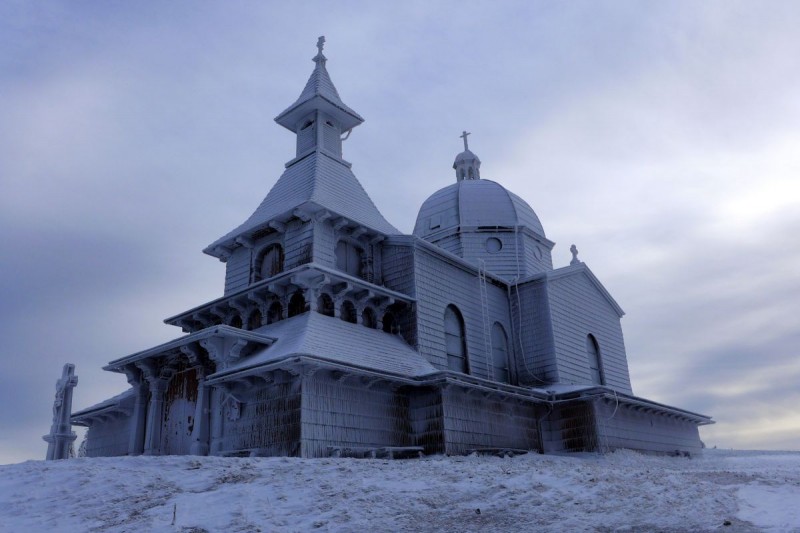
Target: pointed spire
<point x="319" y="94"/>
<point x="467" y="164"/>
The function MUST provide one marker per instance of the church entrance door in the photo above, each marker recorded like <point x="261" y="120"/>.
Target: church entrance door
<point x="180" y="402"/>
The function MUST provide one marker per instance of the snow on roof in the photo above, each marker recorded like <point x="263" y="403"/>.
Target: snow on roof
<point x="475" y="203"/>
<point x="317" y="180"/>
<point x="328" y="338"/>
<point x="105" y="406"/>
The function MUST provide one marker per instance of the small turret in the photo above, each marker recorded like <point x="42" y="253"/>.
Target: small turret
<point x="467" y="164"/>
<point x="319" y="117"/>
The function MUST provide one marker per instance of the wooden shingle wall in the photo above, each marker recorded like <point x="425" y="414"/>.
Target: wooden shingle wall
<point x="570" y="427"/>
<point x="441" y="283"/>
<point x="109" y="438"/>
<point x="578" y="309"/>
<point x="473" y="421"/>
<point x="425" y="415"/>
<point x="451" y="243"/>
<point x="517" y="257"/>
<point x="267" y="423"/>
<point x="397" y="266"/>
<point x="346" y="413"/>
<point x="537" y="256"/>
<point x="324" y="244"/>
<point x="626" y="427"/>
<point x="533" y="330"/>
<point x="298" y="243"/>
<point x="237" y="270"/>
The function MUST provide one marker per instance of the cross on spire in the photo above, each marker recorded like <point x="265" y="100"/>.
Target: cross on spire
<point x="464" y="136"/>
<point x="320" y="44"/>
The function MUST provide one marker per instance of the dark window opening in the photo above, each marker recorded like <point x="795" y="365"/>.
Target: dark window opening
<point x="369" y="319"/>
<point x="235" y="321"/>
<point x="269" y="262"/>
<point x="325" y="305"/>
<point x="595" y="363"/>
<point x="274" y="313"/>
<point x="455" y="340"/>
<point x="389" y="323"/>
<point x="348" y="312"/>
<point x="254" y="320"/>
<point x="297" y="304"/>
<point x="500" y="353"/>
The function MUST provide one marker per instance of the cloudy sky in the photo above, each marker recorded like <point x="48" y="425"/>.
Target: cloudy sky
<point x="662" y="138"/>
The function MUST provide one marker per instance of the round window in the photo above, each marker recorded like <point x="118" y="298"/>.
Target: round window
<point x="493" y="245"/>
<point x="537" y="252"/>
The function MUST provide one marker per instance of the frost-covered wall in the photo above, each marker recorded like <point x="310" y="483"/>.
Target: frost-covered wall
<point x="441" y="282"/>
<point x="473" y="421"/>
<point x="578" y="309"/>
<point x="530" y="306"/>
<point x="108" y="437"/>
<point x="569" y="427"/>
<point x="625" y="426"/>
<point x="347" y="413"/>
<point x="266" y="423"/>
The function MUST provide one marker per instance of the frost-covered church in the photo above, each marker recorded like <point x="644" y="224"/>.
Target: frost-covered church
<point x="336" y="333"/>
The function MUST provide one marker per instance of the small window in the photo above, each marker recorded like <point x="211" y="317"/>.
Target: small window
<point x="274" y="313"/>
<point x="493" y="245"/>
<point x="369" y="319"/>
<point x="595" y="362"/>
<point x="455" y="340"/>
<point x="348" y="312"/>
<point x="297" y="304"/>
<point x="235" y="321"/>
<point x="389" y="323"/>
<point x="269" y="262"/>
<point x="325" y="305"/>
<point x="500" y="353"/>
<point x="254" y="320"/>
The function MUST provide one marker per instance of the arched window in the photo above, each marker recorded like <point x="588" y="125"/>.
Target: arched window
<point x="595" y="364"/>
<point x="369" y="319"/>
<point x="325" y="305"/>
<point x="297" y="304"/>
<point x="389" y="323"/>
<point x="274" y="313"/>
<point x="348" y="312"/>
<point x="235" y="321"/>
<point x="500" y="353"/>
<point x="269" y="262"/>
<point x="455" y="340"/>
<point x="349" y="258"/>
<point x="254" y="320"/>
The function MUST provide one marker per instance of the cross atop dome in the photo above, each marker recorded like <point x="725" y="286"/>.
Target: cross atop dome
<point x="464" y="136"/>
<point x="467" y="164"/>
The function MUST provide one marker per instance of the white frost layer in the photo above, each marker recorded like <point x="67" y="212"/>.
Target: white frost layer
<point x="624" y="491"/>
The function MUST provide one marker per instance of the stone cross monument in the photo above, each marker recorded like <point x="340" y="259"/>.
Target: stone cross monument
<point x="61" y="434"/>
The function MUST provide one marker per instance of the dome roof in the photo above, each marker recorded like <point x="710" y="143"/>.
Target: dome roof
<point x="475" y="203"/>
<point x="465" y="155"/>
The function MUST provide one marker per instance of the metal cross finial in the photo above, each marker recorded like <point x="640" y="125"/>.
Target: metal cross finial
<point x="464" y="136"/>
<point x="574" y="250"/>
<point x="320" y="43"/>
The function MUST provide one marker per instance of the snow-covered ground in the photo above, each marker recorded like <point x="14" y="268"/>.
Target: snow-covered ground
<point x="623" y="491"/>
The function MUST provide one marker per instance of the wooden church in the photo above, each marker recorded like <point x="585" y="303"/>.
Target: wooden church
<point x="338" y="334"/>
